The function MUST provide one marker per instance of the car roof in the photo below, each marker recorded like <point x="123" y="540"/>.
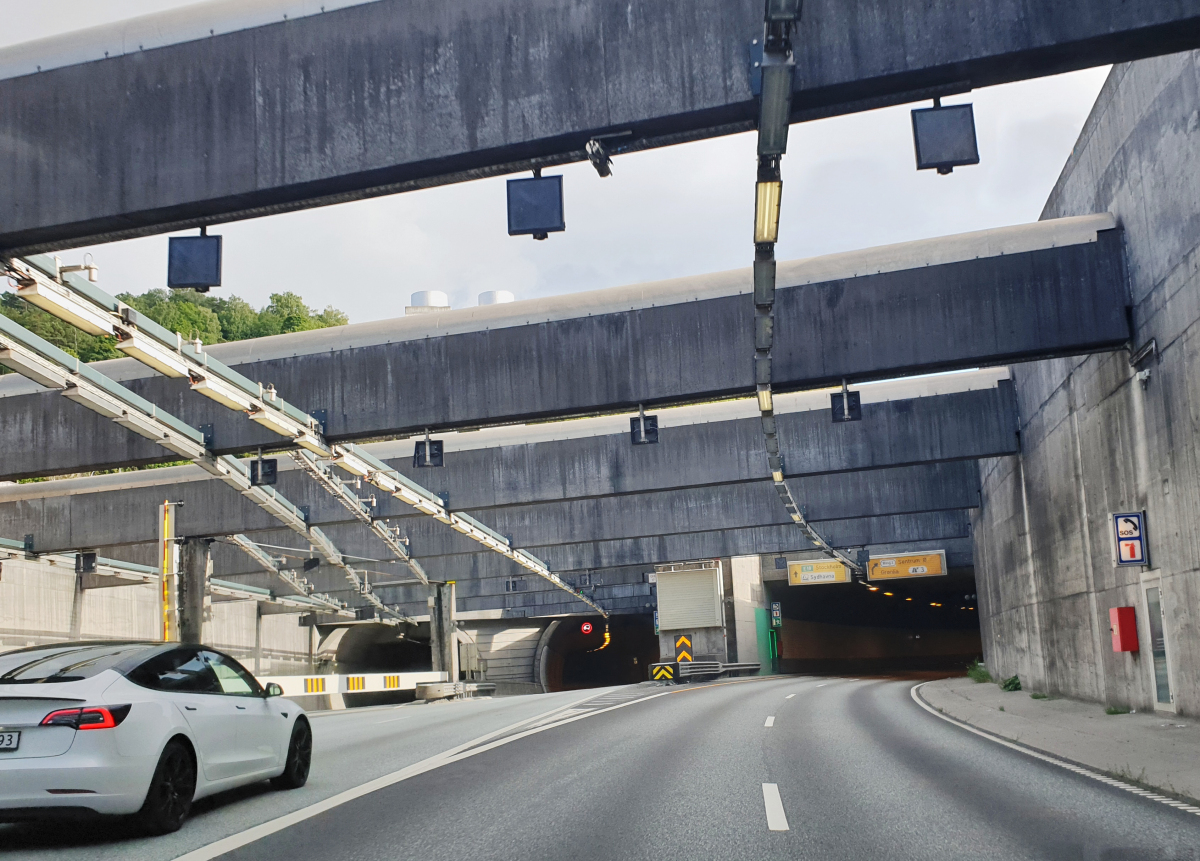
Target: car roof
<point x="84" y="644"/>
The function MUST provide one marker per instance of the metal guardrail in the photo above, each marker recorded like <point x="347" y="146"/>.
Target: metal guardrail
<point x="678" y="671"/>
<point x="450" y="690"/>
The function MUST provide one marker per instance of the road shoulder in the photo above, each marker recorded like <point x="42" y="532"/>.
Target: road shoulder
<point x="1154" y="750"/>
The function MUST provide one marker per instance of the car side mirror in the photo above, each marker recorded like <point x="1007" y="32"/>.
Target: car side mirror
<point x="273" y="690"/>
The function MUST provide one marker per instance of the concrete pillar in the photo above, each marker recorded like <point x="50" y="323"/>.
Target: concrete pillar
<point x="748" y="600"/>
<point x="258" y="617"/>
<point x="443" y="644"/>
<point x="76" y="628"/>
<point x="194" y="570"/>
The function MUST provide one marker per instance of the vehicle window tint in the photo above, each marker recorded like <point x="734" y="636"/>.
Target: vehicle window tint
<point x="179" y="670"/>
<point x="232" y="676"/>
<point x="64" y="662"/>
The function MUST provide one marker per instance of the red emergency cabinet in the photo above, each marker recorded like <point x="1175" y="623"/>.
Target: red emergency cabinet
<point x="1123" y="624"/>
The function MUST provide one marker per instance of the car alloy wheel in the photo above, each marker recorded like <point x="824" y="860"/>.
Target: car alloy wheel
<point x="169" y="799"/>
<point x="299" y="758"/>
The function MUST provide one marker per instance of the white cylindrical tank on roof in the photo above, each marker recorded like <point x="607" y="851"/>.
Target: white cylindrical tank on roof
<point x="428" y="301"/>
<point x="496" y="297"/>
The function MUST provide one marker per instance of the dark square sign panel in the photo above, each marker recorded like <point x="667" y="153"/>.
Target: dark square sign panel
<point x="535" y="205"/>
<point x="194" y="261"/>
<point x="945" y="137"/>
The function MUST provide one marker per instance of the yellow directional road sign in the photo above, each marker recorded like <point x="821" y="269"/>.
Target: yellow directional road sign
<point x="807" y="573"/>
<point x="683" y="647"/>
<point x="931" y="563"/>
<point x="663" y="673"/>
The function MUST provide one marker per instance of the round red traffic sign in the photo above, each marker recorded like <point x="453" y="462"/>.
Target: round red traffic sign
<point x="586" y="627"/>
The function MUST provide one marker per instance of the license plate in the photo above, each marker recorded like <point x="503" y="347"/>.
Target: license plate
<point x="9" y="740"/>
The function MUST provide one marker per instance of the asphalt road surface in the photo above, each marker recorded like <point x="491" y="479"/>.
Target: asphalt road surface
<point x="791" y="768"/>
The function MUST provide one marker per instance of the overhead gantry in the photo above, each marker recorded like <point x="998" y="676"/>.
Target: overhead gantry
<point x="247" y="116"/>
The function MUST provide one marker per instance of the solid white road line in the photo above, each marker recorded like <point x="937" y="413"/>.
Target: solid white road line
<point x="776" y="818"/>
<point x="789" y="696"/>
<point x="770" y="721"/>
<point x="1069" y="766"/>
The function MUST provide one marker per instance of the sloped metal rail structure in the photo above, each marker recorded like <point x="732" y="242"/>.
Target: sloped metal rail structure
<point x="73" y="299"/>
<point x="39" y="360"/>
<point x="119" y="573"/>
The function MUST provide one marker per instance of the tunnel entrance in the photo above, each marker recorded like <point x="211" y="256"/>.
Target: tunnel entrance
<point x="573" y="659"/>
<point x="916" y="624"/>
<point x="374" y="648"/>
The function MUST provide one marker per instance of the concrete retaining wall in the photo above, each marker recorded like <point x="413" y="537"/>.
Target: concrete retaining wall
<point x="1095" y="440"/>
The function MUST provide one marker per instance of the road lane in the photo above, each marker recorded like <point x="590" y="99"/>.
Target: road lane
<point x="349" y="748"/>
<point x="861" y="772"/>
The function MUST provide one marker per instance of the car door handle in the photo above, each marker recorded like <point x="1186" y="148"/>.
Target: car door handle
<point x="243" y="708"/>
<point x="190" y="708"/>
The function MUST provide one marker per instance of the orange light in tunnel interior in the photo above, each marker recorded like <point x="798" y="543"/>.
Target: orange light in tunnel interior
<point x="970" y="608"/>
<point x="873" y="588"/>
<point x="889" y="594"/>
<point x="908" y="599"/>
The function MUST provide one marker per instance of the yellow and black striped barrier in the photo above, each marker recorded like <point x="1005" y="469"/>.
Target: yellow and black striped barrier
<point x="668" y="672"/>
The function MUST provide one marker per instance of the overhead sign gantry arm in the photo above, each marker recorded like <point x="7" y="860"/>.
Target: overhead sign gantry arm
<point x="76" y="300"/>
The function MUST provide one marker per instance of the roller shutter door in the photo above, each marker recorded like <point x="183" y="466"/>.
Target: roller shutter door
<point x="689" y="599"/>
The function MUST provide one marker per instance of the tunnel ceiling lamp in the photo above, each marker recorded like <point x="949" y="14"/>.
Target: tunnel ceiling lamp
<point x="944" y="137"/>
<point x="765" y="399"/>
<point x="783" y="11"/>
<point x="766" y="211"/>
<point x="775" y="106"/>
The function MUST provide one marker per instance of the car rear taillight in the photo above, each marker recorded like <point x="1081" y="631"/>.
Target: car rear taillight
<point x="92" y="717"/>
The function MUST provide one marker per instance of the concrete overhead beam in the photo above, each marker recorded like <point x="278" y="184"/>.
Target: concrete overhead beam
<point x="209" y="509"/>
<point x="992" y="297"/>
<point x="188" y="128"/>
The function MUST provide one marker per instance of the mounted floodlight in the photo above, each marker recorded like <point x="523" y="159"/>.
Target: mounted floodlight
<point x="780" y="11"/>
<point x="150" y="352"/>
<point x="775" y="103"/>
<point x="194" y="262"/>
<point x="264" y="472"/>
<point x="767" y="198"/>
<point x="535" y="206"/>
<point x="59" y="301"/>
<point x="944" y="137"/>
<point x="28" y="365"/>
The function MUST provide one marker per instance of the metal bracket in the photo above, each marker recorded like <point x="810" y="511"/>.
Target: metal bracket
<point x="322" y="417"/>
<point x="206" y="431"/>
<point x="1148" y="349"/>
<point x="28" y="541"/>
<point x="755" y="60"/>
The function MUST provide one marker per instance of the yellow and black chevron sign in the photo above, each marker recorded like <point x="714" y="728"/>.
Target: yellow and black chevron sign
<point x="683" y="648"/>
<point x="664" y="672"/>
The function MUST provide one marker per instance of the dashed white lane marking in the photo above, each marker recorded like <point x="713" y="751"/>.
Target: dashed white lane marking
<point x="1069" y="766"/>
<point x="789" y="696"/>
<point x="776" y="818"/>
<point x="770" y="721"/>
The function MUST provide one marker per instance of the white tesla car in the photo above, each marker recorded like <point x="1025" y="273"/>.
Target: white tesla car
<point x="138" y="728"/>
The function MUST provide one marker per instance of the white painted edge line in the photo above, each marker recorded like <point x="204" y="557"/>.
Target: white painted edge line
<point x="770" y="721"/>
<point x="1053" y="760"/>
<point x="463" y="751"/>
<point x="776" y="818"/>
<point x="789" y="696"/>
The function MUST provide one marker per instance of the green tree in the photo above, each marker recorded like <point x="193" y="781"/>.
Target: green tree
<point x="194" y="315"/>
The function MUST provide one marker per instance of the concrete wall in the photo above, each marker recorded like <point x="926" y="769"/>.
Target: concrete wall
<point x="1095" y="440"/>
<point x="39" y="604"/>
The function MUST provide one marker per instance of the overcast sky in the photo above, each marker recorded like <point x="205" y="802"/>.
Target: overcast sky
<point x="849" y="182"/>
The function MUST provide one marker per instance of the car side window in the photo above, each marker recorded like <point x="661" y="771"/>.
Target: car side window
<point x="178" y="671"/>
<point x="232" y="676"/>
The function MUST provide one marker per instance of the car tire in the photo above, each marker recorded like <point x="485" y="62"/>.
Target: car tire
<point x="169" y="799"/>
<point x="299" y="758"/>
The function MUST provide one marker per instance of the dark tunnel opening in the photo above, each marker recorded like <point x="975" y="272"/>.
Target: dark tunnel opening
<point x="375" y="648"/>
<point x="913" y="624"/>
<point x="574" y="659"/>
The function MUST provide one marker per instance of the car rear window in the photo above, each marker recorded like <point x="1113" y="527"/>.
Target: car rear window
<point x="64" y="662"/>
